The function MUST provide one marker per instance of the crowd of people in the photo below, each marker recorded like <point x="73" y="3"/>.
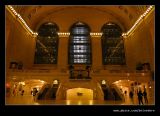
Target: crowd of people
<point x="142" y="97"/>
<point x="19" y="91"/>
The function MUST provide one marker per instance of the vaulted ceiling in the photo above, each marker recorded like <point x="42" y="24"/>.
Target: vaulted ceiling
<point x="95" y="16"/>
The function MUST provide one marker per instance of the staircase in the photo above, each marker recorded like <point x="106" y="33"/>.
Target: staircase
<point x="48" y="92"/>
<point x="117" y="93"/>
<point x="100" y="92"/>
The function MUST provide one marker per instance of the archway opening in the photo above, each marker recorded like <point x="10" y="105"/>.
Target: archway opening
<point x="79" y="94"/>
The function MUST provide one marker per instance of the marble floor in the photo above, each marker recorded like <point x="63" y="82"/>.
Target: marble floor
<point x="29" y="100"/>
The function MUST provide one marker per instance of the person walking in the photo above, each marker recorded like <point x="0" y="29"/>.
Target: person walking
<point x="145" y="97"/>
<point x="140" y="97"/>
<point x="131" y="96"/>
<point x="22" y="92"/>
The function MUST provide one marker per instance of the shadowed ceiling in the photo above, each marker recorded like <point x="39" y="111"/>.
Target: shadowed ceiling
<point x="94" y="16"/>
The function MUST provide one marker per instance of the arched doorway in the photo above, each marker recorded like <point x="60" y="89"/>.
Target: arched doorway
<point x="79" y="94"/>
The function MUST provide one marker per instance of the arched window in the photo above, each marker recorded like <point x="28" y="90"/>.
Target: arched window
<point x="112" y="45"/>
<point x="79" y="44"/>
<point x="47" y="44"/>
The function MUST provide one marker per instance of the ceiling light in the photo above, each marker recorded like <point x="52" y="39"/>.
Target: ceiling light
<point x="21" y="20"/>
<point x="137" y="22"/>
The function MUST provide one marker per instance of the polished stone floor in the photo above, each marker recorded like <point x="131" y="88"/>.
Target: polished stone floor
<point x="29" y="100"/>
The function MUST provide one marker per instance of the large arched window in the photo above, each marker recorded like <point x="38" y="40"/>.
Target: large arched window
<point x="47" y="44"/>
<point x="79" y="44"/>
<point x="112" y="45"/>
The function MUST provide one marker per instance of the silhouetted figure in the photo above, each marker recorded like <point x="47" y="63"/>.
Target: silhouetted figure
<point x="22" y="92"/>
<point x="71" y="71"/>
<point x="145" y="97"/>
<point x="140" y="97"/>
<point x="88" y="69"/>
<point x="34" y="92"/>
<point x="131" y="96"/>
<point x="125" y="93"/>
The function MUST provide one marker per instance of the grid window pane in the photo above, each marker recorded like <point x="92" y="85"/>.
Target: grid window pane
<point x="112" y="45"/>
<point x="47" y="44"/>
<point x="79" y="45"/>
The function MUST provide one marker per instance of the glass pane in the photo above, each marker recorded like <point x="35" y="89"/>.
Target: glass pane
<point x="112" y="45"/>
<point x="47" y="45"/>
<point x="79" y="48"/>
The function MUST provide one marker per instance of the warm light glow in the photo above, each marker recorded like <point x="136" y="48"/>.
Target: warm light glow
<point x="103" y="82"/>
<point x="79" y="102"/>
<point x="23" y="83"/>
<point x="7" y="85"/>
<point x="116" y="82"/>
<point x="143" y="74"/>
<point x="90" y="102"/>
<point x="66" y="34"/>
<point x="95" y="34"/>
<point x="42" y="81"/>
<point x="22" y="22"/>
<point x="68" y="102"/>
<point x="35" y="103"/>
<point x="63" y="34"/>
<point x="79" y="94"/>
<point x="55" y="82"/>
<point x="139" y="20"/>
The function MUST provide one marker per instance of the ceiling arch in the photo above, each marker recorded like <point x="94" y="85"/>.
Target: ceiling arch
<point x="94" y="16"/>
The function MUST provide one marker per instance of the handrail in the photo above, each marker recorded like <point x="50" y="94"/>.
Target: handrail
<point x="117" y="89"/>
<point x="101" y="91"/>
<point x="57" y="93"/>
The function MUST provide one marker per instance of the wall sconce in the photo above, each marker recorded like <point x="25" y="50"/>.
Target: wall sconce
<point x="103" y="82"/>
<point x="55" y="82"/>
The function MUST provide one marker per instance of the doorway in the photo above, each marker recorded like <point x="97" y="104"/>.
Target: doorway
<point x="79" y="94"/>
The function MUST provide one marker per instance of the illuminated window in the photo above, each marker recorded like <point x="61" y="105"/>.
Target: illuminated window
<point x="79" y="44"/>
<point x="112" y="45"/>
<point x="47" y="44"/>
